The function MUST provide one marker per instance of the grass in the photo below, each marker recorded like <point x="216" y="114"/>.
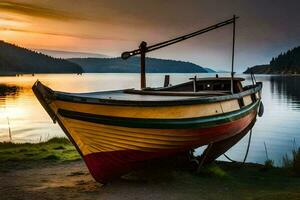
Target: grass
<point x="269" y="164"/>
<point x="58" y="149"/>
<point x="296" y="161"/>
<point x="220" y="180"/>
<point x="213" y="170"/>
<point x="251" y="181"/>
<point x="292" y="164"/>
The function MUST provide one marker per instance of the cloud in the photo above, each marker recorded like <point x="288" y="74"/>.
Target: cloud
<point x="38" y="11"/>
<point x="11" y="22"/>
<point x="82" y="36"/>
<point x="13" y="19"/>
<point x="264" y="29"/>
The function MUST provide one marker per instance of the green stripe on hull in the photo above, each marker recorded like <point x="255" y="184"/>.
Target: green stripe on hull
<point x="200" y="122"/>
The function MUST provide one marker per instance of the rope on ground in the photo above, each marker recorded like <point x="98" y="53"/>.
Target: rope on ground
<point x="247" y="151"/>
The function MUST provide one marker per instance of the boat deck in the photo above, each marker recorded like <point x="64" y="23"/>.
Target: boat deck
<point x="138" y="95"/>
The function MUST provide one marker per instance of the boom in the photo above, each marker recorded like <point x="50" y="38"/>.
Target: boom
<point x="143" y="48"/>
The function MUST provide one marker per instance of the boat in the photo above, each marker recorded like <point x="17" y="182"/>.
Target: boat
<point x="116" y="131"/>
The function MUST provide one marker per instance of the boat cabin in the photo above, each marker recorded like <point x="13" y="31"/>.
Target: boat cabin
<point x="208" y="84"/>
<point x="196" y="87"/>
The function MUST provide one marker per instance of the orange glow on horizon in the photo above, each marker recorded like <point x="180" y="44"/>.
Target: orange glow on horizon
<point x="111" y="27"/>
<point x="50" y="33"/>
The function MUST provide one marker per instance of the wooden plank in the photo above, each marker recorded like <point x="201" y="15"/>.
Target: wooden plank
<point x="164" y="112"/>
<point x="247" y="100"/>
<point x="229" y="106"/>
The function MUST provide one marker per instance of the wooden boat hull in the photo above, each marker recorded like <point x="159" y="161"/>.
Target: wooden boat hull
<point x="217" y="149"/>
<point x="105" y="165"/>
<point x="114" y="139"/>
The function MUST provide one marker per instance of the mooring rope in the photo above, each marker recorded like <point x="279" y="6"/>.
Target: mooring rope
<point x="247" y="151"/>
<point x="229" y="158"/>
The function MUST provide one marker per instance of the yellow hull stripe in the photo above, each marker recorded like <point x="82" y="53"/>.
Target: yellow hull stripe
<point x="168" y="112"/>
<point x="92" y="138"/>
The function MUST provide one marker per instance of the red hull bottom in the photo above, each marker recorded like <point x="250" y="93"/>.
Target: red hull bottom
<point x="105" y="166"/>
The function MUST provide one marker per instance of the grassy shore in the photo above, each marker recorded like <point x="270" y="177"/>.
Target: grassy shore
<point x="59" y="149"/>
<point x="32" y="171"/>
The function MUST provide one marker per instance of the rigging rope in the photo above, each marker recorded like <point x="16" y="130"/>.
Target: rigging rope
<point x="247" y="151"/>
<point x="127" y="54"/>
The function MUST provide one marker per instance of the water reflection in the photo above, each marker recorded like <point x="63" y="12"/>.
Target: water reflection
<point x="6" y="90"/>
<point x="278" y="128"/>
<point x="287" y="89"/>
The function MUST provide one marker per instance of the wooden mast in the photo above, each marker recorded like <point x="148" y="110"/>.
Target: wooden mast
<point x="143" y="49"/>
<point x="232" y="58"/>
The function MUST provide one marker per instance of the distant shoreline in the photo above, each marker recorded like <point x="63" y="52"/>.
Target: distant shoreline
<point x="15" y="74"/>
<point x="273" y="74"/>
<point x="61" y="73"/>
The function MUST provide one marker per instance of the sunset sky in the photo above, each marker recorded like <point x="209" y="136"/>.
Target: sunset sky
<point x="109" y="27"/>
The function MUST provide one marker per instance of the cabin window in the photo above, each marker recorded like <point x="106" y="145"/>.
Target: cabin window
<point x="200" y="87"/>
<point x="239" y="87"/>
<point x="253" y="97"/>
<point x="218" y="86"/>
<point x="241" y="102"/>
<point x="211" y="85"/>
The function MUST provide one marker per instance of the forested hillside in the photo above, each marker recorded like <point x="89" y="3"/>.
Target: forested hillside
<point x="16" y="60"/>
<point x="132" y="65"/>
<point x="285" y="63"/>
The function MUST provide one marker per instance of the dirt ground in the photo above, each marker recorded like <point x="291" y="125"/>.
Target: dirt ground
<point x="72" y="180"/>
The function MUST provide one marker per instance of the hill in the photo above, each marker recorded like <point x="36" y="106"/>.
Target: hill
<point x="285" y="63"/>
<point x="259" y="69"/>
<point x="15" y="60"/>
<point x="209" y="70"/>
<point x="132" y="65"/>
<point x="70" y="54"/>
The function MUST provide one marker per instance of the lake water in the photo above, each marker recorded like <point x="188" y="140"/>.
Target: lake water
<point x="279" y="128"/>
